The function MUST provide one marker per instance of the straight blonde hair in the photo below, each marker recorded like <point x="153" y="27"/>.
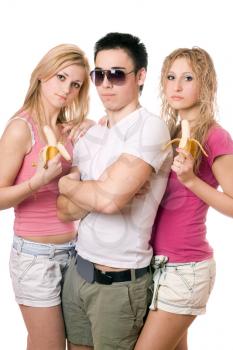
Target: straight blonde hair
<point x="54" y="60"/>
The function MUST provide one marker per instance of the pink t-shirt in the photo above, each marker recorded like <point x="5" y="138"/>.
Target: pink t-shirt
<point x="179" y="231"/>
<point x="37" y="215"/>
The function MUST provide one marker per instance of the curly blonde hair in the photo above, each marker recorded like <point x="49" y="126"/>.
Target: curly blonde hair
<point x="54" y="60"/>
<point x="203" y="68"/>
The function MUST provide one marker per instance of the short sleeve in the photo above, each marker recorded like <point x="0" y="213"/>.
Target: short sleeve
<point x="146" y="139"/>
<point x="219" y="143"/>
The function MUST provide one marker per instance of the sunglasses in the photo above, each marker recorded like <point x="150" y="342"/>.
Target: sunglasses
<point x="114" y="76"/>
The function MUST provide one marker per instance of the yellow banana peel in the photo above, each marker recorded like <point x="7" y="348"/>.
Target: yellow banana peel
<point x="53" y="147"/>
<point x="186" y="142"/>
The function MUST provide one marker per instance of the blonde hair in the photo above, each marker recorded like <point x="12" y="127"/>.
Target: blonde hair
<point x="57" y="58"/>
<point x="203" y="68"/>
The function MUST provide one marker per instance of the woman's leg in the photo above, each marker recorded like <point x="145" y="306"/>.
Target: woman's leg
<point x="183" y="343"/>
<point x="45" y="327"/>
<point x="163" y="331"/>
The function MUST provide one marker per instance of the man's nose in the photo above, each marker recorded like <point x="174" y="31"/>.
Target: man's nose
<point x="106" y="82"/>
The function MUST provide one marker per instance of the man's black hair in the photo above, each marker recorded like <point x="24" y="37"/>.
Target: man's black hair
<point x="127" y="42"/>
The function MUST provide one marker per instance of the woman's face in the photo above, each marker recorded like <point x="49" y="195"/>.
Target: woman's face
<point x="181" y="86"/>
<point x="62" y="88"/>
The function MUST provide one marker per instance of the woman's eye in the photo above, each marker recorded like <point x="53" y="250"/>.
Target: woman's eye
<point x="188" y="78"/>
<point x="60" y="77"/>
<point x="170" y="77"/>
<point x="76" y="85"/>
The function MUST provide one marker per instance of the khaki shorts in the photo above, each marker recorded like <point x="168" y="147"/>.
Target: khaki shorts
<point x="37" y="271"/>
<point x="182" y="288"/>
<point x="110" y="316"/>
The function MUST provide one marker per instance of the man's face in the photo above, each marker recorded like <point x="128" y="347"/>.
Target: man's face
<point x="115" y="97"/>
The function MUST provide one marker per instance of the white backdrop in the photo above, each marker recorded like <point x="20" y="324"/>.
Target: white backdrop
<point x="30" y="28"/>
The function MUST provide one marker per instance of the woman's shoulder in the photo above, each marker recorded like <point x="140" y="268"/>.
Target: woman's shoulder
<point x="218" y="135"/>
<point x="17" y="127"/>
<point x="219" y="141"/>
<point x="18" y="132"/>
<point x="217" y="131"/>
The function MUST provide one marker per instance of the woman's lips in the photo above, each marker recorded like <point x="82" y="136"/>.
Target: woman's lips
<point x="177" y="98"/>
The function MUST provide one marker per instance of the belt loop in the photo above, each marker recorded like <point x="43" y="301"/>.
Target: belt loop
<point x="72" y="252"/>
<point x="19" y="245"/>
<point x="159" y="264"/>
<point x="52" y="252"/>
<point x="133" y="275"/>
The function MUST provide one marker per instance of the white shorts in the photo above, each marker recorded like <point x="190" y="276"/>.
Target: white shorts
<point x="182" y="288"/>
<point x="37" y="271"/>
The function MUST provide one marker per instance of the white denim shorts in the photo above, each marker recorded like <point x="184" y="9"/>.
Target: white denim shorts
<point x="182" y="288"/>
<point x="37" y="271"/>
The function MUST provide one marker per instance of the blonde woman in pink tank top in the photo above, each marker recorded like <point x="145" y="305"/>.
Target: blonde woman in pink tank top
<point x="42" y="245"/>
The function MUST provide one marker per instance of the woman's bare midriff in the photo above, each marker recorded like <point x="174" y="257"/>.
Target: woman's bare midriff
<point x="57" y="239"/>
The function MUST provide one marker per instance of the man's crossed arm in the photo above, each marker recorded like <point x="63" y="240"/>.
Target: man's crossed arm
<point x="110" y="193"/>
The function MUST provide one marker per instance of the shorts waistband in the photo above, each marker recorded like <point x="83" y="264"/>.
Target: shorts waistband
<point x="35" y="248"/>
<point x="162" y="261"/>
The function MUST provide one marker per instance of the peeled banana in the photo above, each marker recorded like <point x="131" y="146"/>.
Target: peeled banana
<point x="186" y="142"/>
<point x="53" y="147"/>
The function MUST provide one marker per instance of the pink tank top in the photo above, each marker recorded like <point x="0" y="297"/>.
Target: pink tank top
<point x="37" y="215"/>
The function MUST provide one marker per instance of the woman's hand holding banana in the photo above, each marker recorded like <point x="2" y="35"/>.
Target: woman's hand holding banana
<point x="53" y="147"/>
<point x="187" y="143"/>
<point x="49" y="163"/>
<point x="183" y="163"/>
<point x="183" y="167"/>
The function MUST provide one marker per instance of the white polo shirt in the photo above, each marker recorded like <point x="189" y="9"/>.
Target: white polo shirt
<point x="121" y="240"/>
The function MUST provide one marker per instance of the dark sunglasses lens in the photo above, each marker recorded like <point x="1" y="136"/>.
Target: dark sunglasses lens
<point x="116" y="77"/>
<point x="97" y="76"/>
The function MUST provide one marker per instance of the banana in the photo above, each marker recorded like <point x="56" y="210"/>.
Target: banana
<point x="53" y="147"/>
<point x="186" y="142"/>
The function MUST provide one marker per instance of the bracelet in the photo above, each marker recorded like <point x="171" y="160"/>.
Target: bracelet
<point x="30" y="186"/>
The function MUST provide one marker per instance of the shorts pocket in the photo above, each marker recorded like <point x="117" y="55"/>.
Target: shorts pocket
<point x="27" y="265"/>
<point x="186" y="275"/>
<point x="176" y="289"/>
<point x="20" y="265"/>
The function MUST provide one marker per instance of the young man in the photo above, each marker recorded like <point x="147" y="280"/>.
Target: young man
<point x="105" y="293"/>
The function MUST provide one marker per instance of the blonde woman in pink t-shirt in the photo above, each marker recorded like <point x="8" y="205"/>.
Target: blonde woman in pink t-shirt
<point x="58" y="93"/>
<point x="184" y="267"/>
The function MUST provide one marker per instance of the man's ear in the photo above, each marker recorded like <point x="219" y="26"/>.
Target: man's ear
<point x="141" y="76"/>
